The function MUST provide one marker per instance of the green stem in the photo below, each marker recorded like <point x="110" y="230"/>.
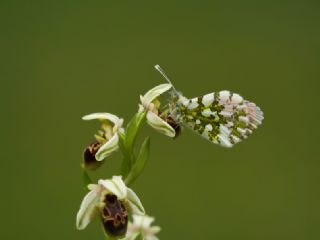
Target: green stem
<point x="127" y="142"/>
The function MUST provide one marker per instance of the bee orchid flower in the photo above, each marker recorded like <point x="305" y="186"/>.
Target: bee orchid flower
<point x="114" y="202"/>
<point x="150" y="104"/>
<point x="106" y="140"/>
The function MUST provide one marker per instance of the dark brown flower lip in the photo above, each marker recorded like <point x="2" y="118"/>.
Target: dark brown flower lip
<point x="89" y="158"/>
<point x="114" y="217"/>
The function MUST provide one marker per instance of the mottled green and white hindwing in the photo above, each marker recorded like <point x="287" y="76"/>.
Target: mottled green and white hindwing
<point x="223" y="118"/>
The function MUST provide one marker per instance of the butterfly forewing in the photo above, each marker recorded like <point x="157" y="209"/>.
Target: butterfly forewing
<point x="223" y="117"/>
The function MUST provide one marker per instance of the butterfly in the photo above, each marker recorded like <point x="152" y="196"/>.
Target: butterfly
<point x="223" y="118"/>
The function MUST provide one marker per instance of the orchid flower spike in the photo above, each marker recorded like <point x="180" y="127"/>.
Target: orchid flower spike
<point x="114" y="202"/>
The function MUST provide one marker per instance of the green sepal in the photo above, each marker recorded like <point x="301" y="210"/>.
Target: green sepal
<point x="140" y="163"/>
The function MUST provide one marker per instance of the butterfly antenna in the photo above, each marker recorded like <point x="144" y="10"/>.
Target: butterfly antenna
<point x="160" y="70"/>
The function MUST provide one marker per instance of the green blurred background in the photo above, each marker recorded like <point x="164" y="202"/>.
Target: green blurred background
<point x="63" y="59"/>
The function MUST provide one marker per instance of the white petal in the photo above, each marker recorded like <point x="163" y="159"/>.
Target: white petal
<point x="154" y="93"/>
<point x="151" y="237"/>
<point x="121" y="130"/>
<point x="134" y="203"/>
<point x="117" y="125"/>
<point x="88" y="209"/>
<point x="142" y="224"/>
<point x="93" y="186"/>
<point x="160" y="125"/>
<point x="107" y="116"/>
<point x="141" y="108"/>
<point x="154" y="229"/>
<point x="115" y="186"/>
<point x="131" y="235"/>
<point x="142" y="221"/>
<point x="109" y="147"/>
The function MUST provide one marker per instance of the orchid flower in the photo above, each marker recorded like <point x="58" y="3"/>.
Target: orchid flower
<point x="114" y="202"/>
<point x="106" y="140"/>
<point x="150" y="104"/>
